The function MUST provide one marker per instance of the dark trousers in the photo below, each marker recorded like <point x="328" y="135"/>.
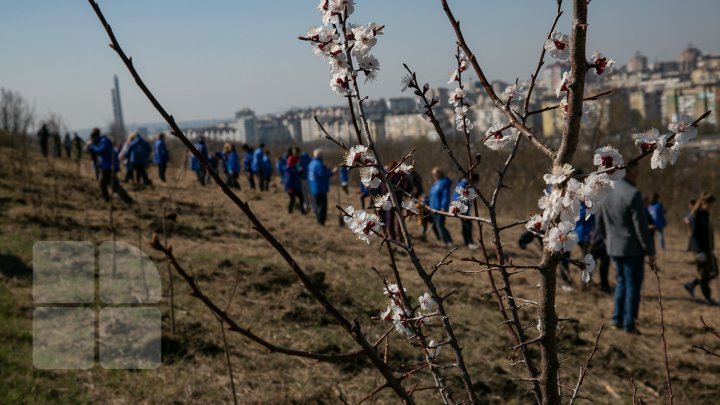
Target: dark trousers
<point x="141" y="173"/>
<point x="321" y="208"/>
<point x="107" y="179"/>
<point x="706" y="271"/>
<point x="439" y="221"/>
<point x="427" y="219"/>
<point x="629" y="278"/>
<point x="68" y="152"/>
<point x="296" y="194"/>
<point x="251" y="179"/>
<point x="264" y="182"/>
<point x="232" y="180"/>
<point x="200" y="173"/>
<point x="162" y="167"/>
<point x="467" y="231"/>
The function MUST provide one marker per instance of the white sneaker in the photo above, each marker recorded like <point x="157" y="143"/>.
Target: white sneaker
<point x="473" y="246"/>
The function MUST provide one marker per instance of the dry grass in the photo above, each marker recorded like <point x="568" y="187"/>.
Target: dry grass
<point x="213" y="239"/>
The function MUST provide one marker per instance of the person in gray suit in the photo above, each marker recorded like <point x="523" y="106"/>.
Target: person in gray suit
<point x="623" y="221"/>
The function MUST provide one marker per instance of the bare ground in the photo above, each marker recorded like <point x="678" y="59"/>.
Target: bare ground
<point x="43" y="201"/>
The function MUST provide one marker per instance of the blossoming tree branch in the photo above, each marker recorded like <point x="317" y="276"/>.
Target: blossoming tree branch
<point x="347" y="47"/>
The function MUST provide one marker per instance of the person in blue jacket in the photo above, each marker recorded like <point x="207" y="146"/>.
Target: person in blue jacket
<point x="232" y="165"/>
<point x="161" y="156"/>
<point x="195" y="164"/>
<point x="657" y="213"/>
<point x="292" y="184"/>
<point x="281" y="165"/>
<point x="303" y="163"/>
<point x="267" y="169"/>
<point x="344" y="179"/>
<point x="103" y="148"/>
<point x="257" y="164"/>
<point x="440" y="193"/>
<point x="466" y="223"/>
<point x="138" y="153"/>
<point x="247" y="165"/>
<point x="319" y="179"/>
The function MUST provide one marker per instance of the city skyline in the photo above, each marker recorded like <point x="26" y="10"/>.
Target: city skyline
<point x="208" y="61"/>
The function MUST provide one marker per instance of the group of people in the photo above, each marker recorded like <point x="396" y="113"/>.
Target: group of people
<point x="68" y="143"/>
<point x="623" y="231"/>
<point x="256" y="165"/>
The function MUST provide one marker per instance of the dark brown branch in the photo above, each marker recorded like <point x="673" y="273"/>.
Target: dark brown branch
<point x="541" y="62"/>
<point x="556" y="106"/>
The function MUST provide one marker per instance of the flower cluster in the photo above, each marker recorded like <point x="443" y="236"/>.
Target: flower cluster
<point x="515" y="91"/>
<point x="561" y="206"/>
<point x="666" y="147"/>
<point x="362" y="224"/>
<point x="402" y="317"/>
<point x="465" y="196"/>
<point x="359" y="155"/>
<point x="601" y="65"/>
<point x="327" y="41"/>
<point x="458" y="97"/>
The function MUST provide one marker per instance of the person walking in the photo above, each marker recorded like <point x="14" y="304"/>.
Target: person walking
<point x="623" y="222"/>
<point x="247" y="165"/>
<point x="103" y="148"/>
<point x="232" y="165"/>
<point x="161" y="156"/>
<point x="440" y="201"/>
<point x="267" y="169"/>
<point x="657" y="213"/>
<point x="78" y="146"/>
<point x="702" y="243"/>
<point x="67" y="145"/>
<point x="465" y="223"/>
<point x="195" y="164"/>
<point x="57" y="144"/>
<point x="292" y="184"/>
<point x="319" y="180"/>
<point x="257" y="165"/>
<point x="44" y="136"/>
<point x="138" y="154"/>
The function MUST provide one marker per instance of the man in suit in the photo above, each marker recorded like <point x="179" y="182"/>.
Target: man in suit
<point x="623" y="220"/>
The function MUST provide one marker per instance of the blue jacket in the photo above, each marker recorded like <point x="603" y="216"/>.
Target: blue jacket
<point x="304" y="163"/>
<point x="319" y="177"/>
<point x="195" y="164"/>
<point x="440" y="194"/>
<point x="247" y="162"/>
<point x="344" y="175"/>
<point x="291" y="179"/>
<point x="462" y="183"/>
<point x="657" y="213"/>
<point x="266" y="166"/>
<point x="116" y="159"/>
<point x="105" y="152"/>
<point x="583" y="227"/>
<point x="160" y="153"/>
<point x="232" y="163"/>
<point x="281" y="166"/>
<point x="138" y="151"/>
<point x="257" y="159"/>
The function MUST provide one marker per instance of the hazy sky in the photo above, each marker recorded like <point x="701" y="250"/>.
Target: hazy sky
<point x="207" y="59"/>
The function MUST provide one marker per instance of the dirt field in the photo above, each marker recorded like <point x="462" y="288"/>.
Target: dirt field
<point x="232" y="262"/>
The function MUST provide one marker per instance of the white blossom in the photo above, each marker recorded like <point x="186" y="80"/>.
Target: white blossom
<point x="410" y="206"/>
<point x="558" y="45"/>
<point x="457" y="95"/>
<point x="466" y="194"/>
<point x="498" y="138"/>
<point x="662" y="155"/>
<point x="602" y="64"/>
<point x="361" y="155"/>
<point x="362" y="224"/>
<point x="561" y="238"/>
<point x="588" y="268"/>
<point x="515" y="91"/>
<point x="433" y="349"/>
<point x="427" y="303"/>
<point x="405" y="82"/>
<point x="562" y="86"/>
<point x="457" y="208"/>
<point x="681" y="125"/>
<point x="646" y="140"/>
<point x="383" y="202"/>
<point x="370" y="177"/>
<point x="607" y="157"/>
<point x="558" y="174"/>
<point x="536" y="224"/>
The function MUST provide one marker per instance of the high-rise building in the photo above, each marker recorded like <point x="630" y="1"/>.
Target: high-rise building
<point x="118" y="126"/>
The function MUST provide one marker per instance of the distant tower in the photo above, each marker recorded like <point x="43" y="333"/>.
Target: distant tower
<point x="118" y="125"/>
